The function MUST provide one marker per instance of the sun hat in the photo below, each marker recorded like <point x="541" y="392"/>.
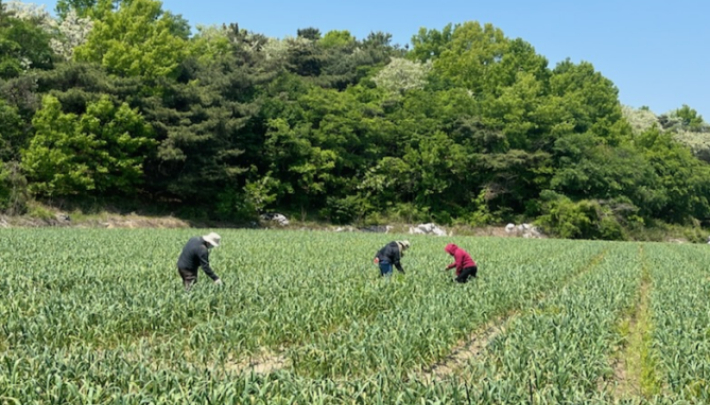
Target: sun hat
<point x="212" y="238"/>
<point x="404" y="244"/>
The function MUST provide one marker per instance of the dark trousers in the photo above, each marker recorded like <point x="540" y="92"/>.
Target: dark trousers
<point x="385" y="269"/>
<point x="467" y="273"/>
<point x="189" y="277"/>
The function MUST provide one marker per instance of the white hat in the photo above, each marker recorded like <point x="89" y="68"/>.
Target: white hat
<point x="404" y="244"/>
<point x="213" y="239"/>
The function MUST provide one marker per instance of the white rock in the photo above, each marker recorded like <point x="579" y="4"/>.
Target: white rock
<point x="427" y="229"/>
<point x="278" y="218"/>
<point x="415" y="231"/>
<point x="438" y="231"/>
<point x="510" y="228"/>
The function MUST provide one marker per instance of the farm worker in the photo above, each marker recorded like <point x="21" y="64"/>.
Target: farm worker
<point x="196" y="253"/>
<point x="390" y="255"/>
<point x="465" y="266"/>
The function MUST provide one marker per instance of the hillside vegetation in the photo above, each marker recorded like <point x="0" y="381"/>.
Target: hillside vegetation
<point x="123" y="101"/>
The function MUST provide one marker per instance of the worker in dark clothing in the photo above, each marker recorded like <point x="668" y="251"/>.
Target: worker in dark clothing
<point x="390" y="255"/>
<point x="196" y="253"/>
<point x="465" y="266"/>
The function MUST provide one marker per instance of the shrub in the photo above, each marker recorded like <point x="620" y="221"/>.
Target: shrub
<point x="584" y="219"/>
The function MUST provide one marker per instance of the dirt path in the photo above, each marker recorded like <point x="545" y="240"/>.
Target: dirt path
<point x="265" y="362"/>
<point x="634" y="375"/>
<point x="455" y="362"/>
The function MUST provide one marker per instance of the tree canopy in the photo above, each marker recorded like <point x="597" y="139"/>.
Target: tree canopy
<point x="119" y="98"/>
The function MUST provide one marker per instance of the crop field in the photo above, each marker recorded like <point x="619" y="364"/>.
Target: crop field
<point x="92" y="316"/>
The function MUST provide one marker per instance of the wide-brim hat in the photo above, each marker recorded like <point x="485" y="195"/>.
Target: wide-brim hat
<point x="404" y="244"/>
<point x="212" y="238"/>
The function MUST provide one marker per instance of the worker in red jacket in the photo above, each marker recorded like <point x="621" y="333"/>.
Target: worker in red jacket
<point x="465" y="266"/>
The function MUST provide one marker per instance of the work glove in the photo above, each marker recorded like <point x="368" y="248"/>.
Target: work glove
<point x="218" y="282"/>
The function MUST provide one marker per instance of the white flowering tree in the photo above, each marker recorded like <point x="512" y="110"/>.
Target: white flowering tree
<point x="402" y="75"/>
<point x="641" y="119"/>
<point x="72" y="32"/>
<point x="28" y="11"/>
<point x="686" y="125"/>
<point x="690" y="129"/>
<point x="276" y="50"/>
<point x="66" y="33"/>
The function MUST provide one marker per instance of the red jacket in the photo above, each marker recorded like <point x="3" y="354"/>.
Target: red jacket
<point x="462" y="259"/>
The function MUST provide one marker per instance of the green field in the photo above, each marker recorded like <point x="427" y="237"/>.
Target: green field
<point x="100" y="317"/>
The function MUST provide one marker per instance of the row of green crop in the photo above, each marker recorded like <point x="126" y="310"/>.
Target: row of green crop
<point x="681" y="323"/>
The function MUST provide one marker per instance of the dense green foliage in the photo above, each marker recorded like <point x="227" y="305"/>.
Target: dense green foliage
<point x="100" y="316"/>
<point x="467" y="126"/>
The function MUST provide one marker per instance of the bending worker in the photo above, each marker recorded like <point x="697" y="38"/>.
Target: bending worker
<point x="390" y="255"/>
<point x="465" y="266"/>
<point x="196" y="253"/>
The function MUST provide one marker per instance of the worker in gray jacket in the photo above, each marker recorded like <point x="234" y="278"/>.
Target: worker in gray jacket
<point x="195" y="254"/>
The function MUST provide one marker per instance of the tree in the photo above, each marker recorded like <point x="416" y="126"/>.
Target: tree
<point x="698" y="142"/>
<point x="102" y="150"/>
<point x="137" y="39"/>
<point x="72" y="32"/>
<point x="23" y="45"/>
<point x="13" y="185"/>
<point x="688" y="128"/>
<point x="305" y="58"/>
<point x="584" y="219"/>
<point x="429" y="44"/>
<point x="683" y="180"/>
<point x="401" y="75"/>
<point x="640" y="119"/>
<point x="207" y="123"/>
<point x="210" y="43"/>
<point x="684" y="118"/>
<point x="81" y="7"/>
<point x="336" y="38"/>
<point x="587" y="168"/>
<point x="591" y="101"/>
<point x="310" y="33"/>
<point x="468" y="60"/>
<point x="11" y="132"/>
<point x="346" y="61"/>
<point x="13" y="189"/>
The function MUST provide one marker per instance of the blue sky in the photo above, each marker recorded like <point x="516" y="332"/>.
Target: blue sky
<point x="655" y="52"/>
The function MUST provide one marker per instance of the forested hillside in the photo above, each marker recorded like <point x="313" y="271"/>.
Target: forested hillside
<point x="125" y="100"/>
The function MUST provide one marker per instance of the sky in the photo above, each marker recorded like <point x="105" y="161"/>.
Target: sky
<point x="655" y="52"/>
